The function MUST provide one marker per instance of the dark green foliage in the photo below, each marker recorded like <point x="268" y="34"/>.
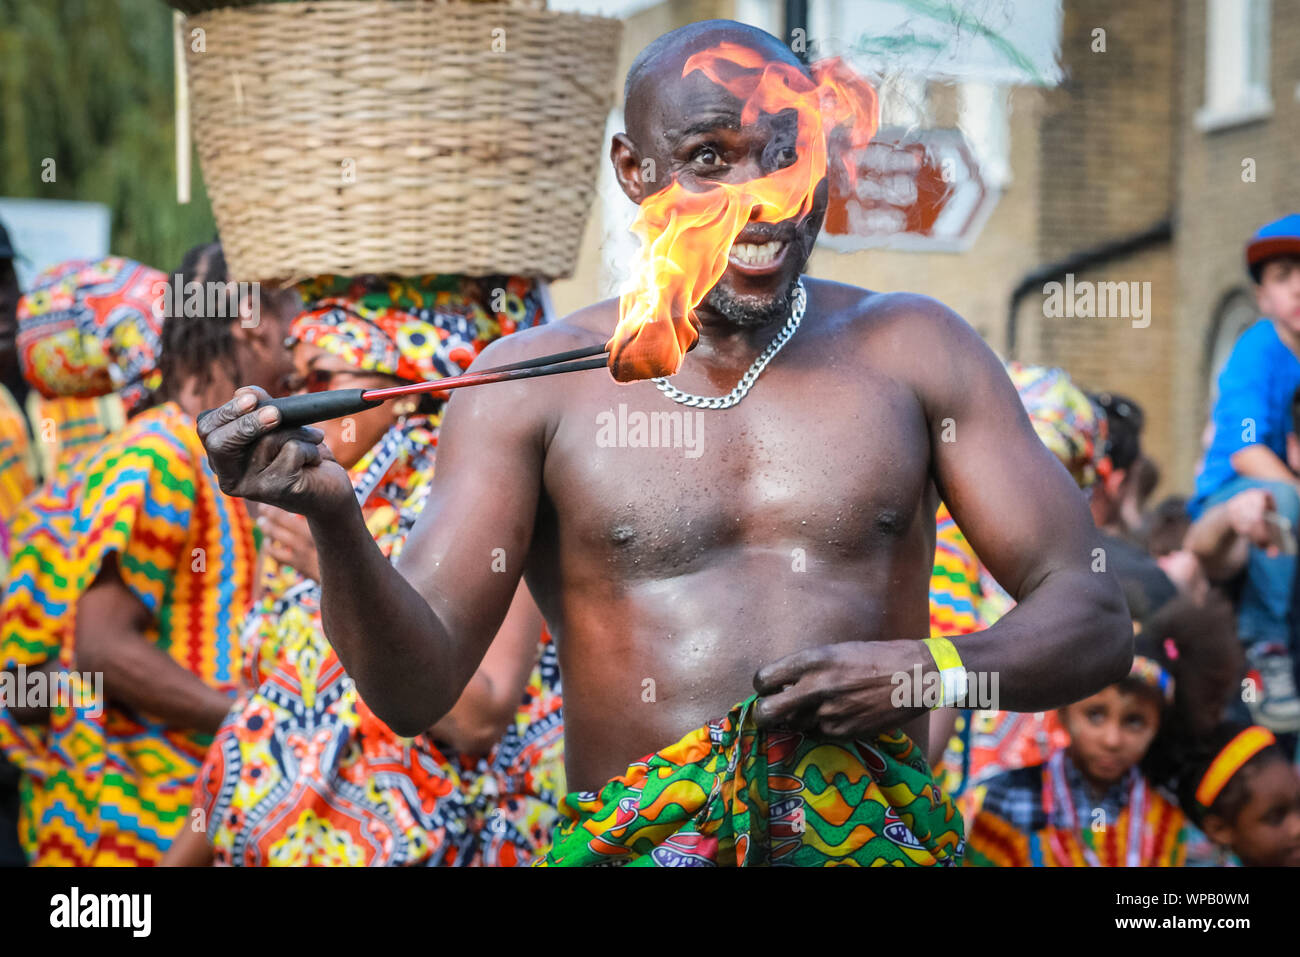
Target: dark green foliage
<point x="89" y="84"/>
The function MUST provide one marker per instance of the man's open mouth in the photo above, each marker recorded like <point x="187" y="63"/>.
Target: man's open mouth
<point x="752" y="257"/>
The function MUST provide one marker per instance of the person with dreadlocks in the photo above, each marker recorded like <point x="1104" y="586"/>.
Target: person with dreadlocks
<point x="150" y="576"/>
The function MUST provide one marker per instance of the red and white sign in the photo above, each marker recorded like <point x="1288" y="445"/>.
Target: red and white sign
<point x="917" y="189"/>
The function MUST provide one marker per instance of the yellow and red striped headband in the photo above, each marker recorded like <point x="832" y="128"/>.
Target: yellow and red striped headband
<point x="1230" y="760"/>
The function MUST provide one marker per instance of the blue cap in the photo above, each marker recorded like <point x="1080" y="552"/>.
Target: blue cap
<point x="1276" y="239"/>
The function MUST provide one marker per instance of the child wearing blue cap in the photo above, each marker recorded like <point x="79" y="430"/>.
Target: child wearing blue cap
<point x="1252" y="418"/>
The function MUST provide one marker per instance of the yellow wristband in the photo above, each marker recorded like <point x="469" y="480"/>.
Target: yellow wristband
<point x="952" y="673"/>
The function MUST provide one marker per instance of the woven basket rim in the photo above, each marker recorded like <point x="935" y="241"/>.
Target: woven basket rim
<point x="281" y="216"/>
<point x="198" y="7"/>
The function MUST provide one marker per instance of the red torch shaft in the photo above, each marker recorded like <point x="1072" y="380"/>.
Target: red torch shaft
<point x="503" y="374"/>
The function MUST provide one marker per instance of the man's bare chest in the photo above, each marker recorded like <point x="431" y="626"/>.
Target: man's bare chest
<point x="841" y="465"/>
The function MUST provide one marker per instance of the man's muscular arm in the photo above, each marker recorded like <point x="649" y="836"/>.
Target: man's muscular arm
<point x="412" y="636"/>
<point x="1024" y="516"/>
<point x="1070" y="634"/>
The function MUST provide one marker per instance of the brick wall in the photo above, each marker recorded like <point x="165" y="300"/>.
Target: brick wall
<point x="1108" y="152"/>
<point x="1218" y="211"/>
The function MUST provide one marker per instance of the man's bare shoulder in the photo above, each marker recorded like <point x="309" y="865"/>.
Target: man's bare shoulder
<point x="867" y="311"/>
<point x="897" y="324"/>
<point x="590" y="326"/>
<point x="910" y="337"/>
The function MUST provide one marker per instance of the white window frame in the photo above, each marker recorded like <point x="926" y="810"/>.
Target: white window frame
<point x="1238" y="59"/>
<point x="984" y="116"/>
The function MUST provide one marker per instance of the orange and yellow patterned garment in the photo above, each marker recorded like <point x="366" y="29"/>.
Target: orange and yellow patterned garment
<point x="66" y="429"/>
<point x="89" y="338"/>
<point x="104" y="784"/>
<point x="18" y="468"/>
<point x="1045" y="816"/>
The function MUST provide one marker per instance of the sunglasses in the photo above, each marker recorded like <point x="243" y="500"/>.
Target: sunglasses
<point x="316" y="380"/>
<point x="320" y="380"/>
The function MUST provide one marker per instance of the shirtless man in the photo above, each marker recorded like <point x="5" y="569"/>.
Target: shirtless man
<point x="651" y="564"/>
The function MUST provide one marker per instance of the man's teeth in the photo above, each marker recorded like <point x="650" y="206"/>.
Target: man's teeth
<point x="751" y="255"/>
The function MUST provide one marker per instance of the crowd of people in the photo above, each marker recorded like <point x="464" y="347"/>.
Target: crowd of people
<point x="171" y="696"/>
<point x="225" y="729"/>
<point x="1191" y="758"/>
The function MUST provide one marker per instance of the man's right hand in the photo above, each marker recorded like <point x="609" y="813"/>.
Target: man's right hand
<point x="255" y="459"/>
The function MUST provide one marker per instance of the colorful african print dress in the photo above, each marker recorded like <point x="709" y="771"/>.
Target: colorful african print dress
<point x="984" y="743"/>
<point x="955" y="601"/>
<point x="104" y="784"/>
<point x="731" y="795"/>
<point x="19" y="471"/>
<point x="954" y="581"/>
<point x="303" y="772"/>
<point x="1044" y="816"/>
<point x="66" y="430"/>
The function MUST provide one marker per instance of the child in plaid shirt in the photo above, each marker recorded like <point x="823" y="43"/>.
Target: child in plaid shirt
<point x="1089" y="803"/>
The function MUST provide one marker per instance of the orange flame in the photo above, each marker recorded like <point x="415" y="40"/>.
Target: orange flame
<point x="686" y="236"/>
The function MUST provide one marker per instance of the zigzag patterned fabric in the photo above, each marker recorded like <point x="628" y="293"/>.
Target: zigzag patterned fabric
<point x="67" y="429"/>
<point x="113" y="788"/>
<point x="954" y="581"/>
<point x="731" y="795"/>
<point x="18" y="468"/>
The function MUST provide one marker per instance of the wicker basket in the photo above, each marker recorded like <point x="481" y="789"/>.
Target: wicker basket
<point x="202" y="6"/>
<point x="373" y="136"/>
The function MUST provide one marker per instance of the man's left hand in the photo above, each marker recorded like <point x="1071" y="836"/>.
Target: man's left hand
<point x="839" y="691"/>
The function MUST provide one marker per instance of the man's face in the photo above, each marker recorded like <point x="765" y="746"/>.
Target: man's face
<point x="261" y="356"/>
<point x="350" y="438"/>
<point x="1278" y="293"/>
<point x="1110" y="732"/>
<point x="9" y="296"/>
<point x="689" y="128"/>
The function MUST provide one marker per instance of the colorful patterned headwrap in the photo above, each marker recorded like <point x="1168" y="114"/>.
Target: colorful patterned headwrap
<point x="90" y="327"/>
<point x="416" y="328"/>
<point x="1064" y="418"/>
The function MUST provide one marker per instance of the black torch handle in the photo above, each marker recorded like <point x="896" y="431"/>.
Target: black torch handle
<point x="309" y="407"/>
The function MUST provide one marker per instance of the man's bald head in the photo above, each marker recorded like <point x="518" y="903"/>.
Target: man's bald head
<point x="673" y="49"/>
<point x="691" y="131"/>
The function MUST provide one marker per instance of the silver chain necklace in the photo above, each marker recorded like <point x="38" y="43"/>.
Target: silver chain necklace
<point x="798" y="304"/>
